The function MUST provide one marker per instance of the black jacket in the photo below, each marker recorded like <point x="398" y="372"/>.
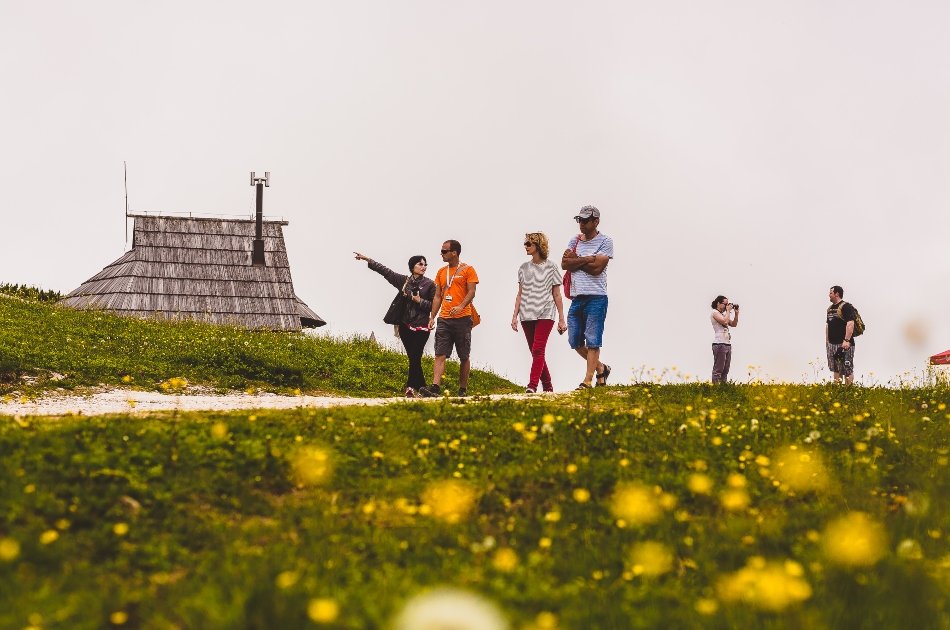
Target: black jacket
<point x="404" y="309"/>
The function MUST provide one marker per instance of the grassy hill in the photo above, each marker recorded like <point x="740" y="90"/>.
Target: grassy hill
<point x="686" y="506"/>
<point x="60" y="347"/>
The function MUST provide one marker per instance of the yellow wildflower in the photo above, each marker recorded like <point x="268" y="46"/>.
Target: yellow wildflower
<point x="219" y="431"/>
<point x="636" y="504"/>
<point x="699" y="483"/>
<point x="450" y="500"/>
<point x="706" y="606"/>
<point x="545" y="621"/>
<point x="311" y="465"/>
<point x="651" y="559"/>
<point x="771" y="586"/>
<point x="734" y="499"/>
<point x="735" y="480"/>
<point x="286" y="579"/>
<point x="801" y="470"/>
<point x="854" y="540"/>
<point x="505" y="560"/>
<point x="9" y="549"/>
<point x="323" y="610"/>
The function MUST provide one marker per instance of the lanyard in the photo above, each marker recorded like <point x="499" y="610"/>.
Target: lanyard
<point x="449" y="281"/>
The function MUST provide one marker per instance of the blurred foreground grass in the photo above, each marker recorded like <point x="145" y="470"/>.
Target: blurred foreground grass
<point x="679" y="506"/>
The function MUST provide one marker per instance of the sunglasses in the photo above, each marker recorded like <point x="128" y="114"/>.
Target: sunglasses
<point x="584" y="219"/>
<point x="528" y="243"/>
<point x="445" y="251"/>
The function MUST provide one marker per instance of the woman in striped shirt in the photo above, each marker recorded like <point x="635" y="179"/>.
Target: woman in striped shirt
<point x="537" y="302"/>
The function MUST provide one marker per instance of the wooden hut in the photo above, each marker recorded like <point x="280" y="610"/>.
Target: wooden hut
<point x="200" y="268"/>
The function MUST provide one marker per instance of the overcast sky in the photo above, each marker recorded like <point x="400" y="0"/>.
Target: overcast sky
<point x="764" y="150"/>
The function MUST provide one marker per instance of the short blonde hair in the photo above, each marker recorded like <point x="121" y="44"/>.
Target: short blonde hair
<point x="540" y="241"/>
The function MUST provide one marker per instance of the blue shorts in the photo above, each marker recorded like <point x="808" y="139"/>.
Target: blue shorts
<point x="585" y="321"/>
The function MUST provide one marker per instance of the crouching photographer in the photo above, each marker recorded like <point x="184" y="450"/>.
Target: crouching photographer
<point x="724" y="315"/>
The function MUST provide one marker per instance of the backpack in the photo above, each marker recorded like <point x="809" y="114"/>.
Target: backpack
<point x="858" y="322"/>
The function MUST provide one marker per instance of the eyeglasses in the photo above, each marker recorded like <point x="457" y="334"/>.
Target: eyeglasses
<point x="423" y="263"/>
<point x="584" y="219"/>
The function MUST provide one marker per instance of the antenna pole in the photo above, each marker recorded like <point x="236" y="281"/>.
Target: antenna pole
<point x="125" y="178"/>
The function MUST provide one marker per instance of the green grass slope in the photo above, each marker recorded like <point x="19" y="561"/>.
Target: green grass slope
<point x="639" y="507"/>
<point x="89" y="348"/>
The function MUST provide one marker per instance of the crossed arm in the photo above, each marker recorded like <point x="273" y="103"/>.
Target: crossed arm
<point x="594" y="265"/>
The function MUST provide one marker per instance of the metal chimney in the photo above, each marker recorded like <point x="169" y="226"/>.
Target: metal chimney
<point x="257" y="253"/>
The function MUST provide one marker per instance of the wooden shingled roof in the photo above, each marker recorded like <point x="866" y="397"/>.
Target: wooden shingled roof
<point x="200" y="268"/>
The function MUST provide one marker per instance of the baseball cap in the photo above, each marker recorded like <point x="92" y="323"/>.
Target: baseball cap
<point x="587" y="212"/>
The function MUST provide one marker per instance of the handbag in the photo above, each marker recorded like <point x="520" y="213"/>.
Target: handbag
<point x="397" y="310"/>
<point x="566" y="281"/>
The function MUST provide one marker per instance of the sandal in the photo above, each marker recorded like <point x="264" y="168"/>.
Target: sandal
<point x="602" y="377"/>
<point x="582" y="387"/>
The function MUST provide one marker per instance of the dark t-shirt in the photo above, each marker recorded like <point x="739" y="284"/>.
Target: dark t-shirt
<point x="836" y="325"/>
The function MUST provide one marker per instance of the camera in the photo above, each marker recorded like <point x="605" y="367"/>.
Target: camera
<point x="839" y="353"/>
<point x="735" y="306"/>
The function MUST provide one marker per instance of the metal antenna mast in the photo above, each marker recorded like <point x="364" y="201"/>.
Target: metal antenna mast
<point x="125" y="180"/>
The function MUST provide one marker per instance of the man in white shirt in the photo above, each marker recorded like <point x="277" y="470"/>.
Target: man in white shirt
<point x="586" y="257"/>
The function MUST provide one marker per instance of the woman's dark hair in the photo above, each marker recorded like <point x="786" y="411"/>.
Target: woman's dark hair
<point x="838" y="290"/>
<point x="717" y="301"/>
<point x="416" y="259"/>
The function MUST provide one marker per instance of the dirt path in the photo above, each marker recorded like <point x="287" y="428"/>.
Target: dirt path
<point x="132" y="401"/>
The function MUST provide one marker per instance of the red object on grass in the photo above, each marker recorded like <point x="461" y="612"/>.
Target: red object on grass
<point x="942" y="358"/>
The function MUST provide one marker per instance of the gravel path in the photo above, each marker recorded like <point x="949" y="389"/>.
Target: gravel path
<point x="132" y="401"/>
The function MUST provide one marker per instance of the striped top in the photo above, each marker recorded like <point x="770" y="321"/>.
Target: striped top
<point x="537" y="300"/>
<point x="582" y="283"/>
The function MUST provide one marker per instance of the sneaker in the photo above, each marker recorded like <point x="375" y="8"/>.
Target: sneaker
<point x="411" y="393"/>
<point x="602" y="376"/>
<point x="531" y="390"/>
<point x="463" y="392"/>
<point x="430" y="391"/>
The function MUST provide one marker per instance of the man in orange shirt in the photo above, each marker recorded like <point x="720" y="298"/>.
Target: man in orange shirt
<point x="454" y="291"/>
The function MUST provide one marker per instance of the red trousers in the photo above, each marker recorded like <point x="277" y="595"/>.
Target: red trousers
<point x="536" y="332"/>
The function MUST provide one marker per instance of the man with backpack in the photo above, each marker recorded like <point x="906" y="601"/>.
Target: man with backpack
<point x="842" y="325"/>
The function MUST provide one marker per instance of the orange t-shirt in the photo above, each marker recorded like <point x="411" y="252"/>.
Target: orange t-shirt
<point x="457" y="290"/>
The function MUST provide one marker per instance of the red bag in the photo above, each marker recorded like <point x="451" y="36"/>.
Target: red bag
<point x="567" y="274"/>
